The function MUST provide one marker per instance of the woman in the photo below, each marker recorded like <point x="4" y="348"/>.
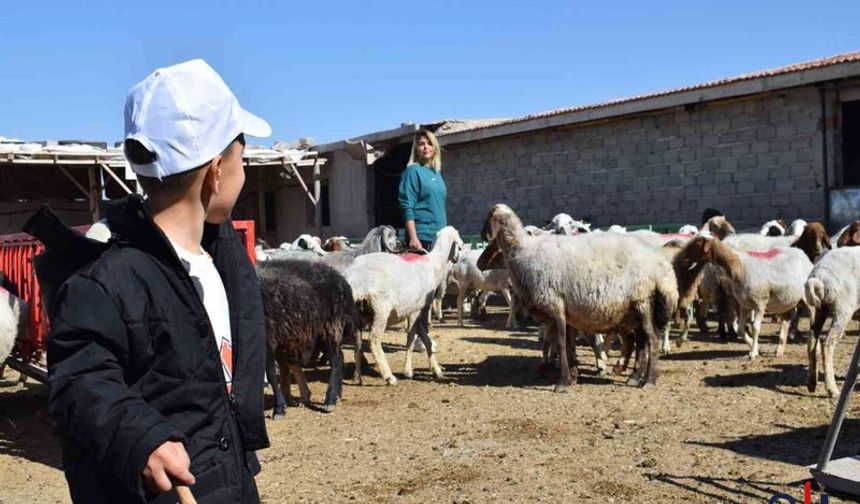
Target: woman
<point x="422" y="192"/>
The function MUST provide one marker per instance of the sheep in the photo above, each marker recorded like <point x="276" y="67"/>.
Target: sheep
<point x="378" y="239"/>
<point x="593" y="283"/>
<point x="336" y="244"/>
<point x="773" y="228"/>
<point x="14" y="322"/>
<point x="796" y="228"/>
<point x="389" y="288"/>
<point x="469" y="277"/>
<point x="761" y="282"/>
<point x="565" y="224"/>
<point x="832" y="290"/>
<point x="309" y="309"/>
<point x="848" y="236"/>
<point x="688" y="273"/>
<point x="688" y="229"/>
<point x="534" y="230"/>
<point x="719" y="226"/>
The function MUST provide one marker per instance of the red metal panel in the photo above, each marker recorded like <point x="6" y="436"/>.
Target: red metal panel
<point x="17" y="252"/>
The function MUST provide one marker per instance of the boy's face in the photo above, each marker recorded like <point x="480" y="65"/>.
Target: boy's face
<point x="225" y="179"/>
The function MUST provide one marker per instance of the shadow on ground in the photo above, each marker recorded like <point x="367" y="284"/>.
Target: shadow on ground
<point x="26" y="428"/>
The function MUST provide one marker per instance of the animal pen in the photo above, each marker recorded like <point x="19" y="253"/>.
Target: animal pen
<point x="75" y="179"/>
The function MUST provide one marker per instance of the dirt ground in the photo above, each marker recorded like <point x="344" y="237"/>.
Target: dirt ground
<point x="716" y="428"/>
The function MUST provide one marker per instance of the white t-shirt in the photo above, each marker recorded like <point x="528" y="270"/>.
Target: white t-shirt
<point x="210" y="287"/>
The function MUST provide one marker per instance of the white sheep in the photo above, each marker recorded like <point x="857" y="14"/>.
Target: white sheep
<point x="565" y="224"/>
<point x="761" y="282"/>
<point x="14" y="316"/>
<point x="389" y="288"/>
<point x="592" y="283"/>
<point x="832" y="290"/>
<point x="469" y="277"/>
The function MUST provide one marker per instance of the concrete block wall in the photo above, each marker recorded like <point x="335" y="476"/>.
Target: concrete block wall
<point x="755" y="159"/>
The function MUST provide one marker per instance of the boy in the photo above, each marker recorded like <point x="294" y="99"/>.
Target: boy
<point x="157" y="347"/>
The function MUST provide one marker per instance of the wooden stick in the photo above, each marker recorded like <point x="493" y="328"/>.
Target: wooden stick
<point x="185" y="495"/>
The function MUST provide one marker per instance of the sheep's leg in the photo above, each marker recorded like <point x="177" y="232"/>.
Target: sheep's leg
<point x="359" y="356"/>
<point x="598" y="345"/>
<point x="685" y="327"/>
<point x="299" y="374"/>
<point x="335" y="379"/>
<point x="568" y="376"/>
<point x="742" y="326"/>
<point x="431" y="352"/>
<point x="623" y="362"/>
<point x="274" y="381"/>
<point x="461" y="300"/>
<point x="813" y="347"/>
<point x="410" y="340"/>
<point x="702" y="318"/>
<point x="511" y="323"/>
<point x="794" y="327"/>
<point x="376" y="331"/>
<point x="756" y="330"/>
<point x="837" y="328"/>
<point x="665" y="344"/>
<point x="482" y="303"/>
<point x="543" y="337"/>
<point x="636" y="378"/>
<point x="784" y="323"/>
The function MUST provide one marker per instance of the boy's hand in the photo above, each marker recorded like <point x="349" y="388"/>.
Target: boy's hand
<point x="167" y="464"/>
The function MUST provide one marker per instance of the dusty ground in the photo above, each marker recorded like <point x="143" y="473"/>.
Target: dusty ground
<point x="717" y="428"/>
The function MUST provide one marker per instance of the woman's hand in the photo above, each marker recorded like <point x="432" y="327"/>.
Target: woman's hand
<point x="415" y="244"/>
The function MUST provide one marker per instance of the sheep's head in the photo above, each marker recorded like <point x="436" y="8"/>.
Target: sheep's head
<point x="698" y="250"/>
<point x="813" y="241"/>
<point x="851" y="236"/>
<point x="533" y="230"/>
<point x="389" y="240"/>
<point x="719" y="226"/>
<point x="450" y="234"/>
<point x="500" y="216"/>
<point x="773" y="228"/>
<point x="688" y="229"/>
<point x="688" y="263"/>
<point x="336" y="244"/>
<point x="491" y="258"/>
<point x="796" y="228"/>
<point x="310" y="243"/>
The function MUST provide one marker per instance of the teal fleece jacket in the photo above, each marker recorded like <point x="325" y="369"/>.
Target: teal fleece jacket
<point x="422" y="196"/>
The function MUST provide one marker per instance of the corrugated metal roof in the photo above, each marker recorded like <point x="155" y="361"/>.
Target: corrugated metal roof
<point x="793" y="68"/>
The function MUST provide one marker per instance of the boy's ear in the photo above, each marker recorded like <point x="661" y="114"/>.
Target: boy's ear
<point x="214" y="173"/>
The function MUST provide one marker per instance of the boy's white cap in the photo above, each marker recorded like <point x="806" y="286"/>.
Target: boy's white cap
<point x="186" y="115"/>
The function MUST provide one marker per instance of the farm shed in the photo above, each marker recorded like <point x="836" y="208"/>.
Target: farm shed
<point x="75" y="177"/>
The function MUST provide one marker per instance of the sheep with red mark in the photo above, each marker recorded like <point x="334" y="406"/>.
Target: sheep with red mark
<point x="389" y="288"/>
<point x="761" y="282"/>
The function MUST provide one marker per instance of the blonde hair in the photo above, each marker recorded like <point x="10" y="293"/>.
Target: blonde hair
<point x="436" y="160"/>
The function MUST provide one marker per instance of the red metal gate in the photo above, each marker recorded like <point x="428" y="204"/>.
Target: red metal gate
<point x="16" y="262"/>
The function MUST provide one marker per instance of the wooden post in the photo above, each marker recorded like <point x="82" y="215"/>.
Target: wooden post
<point x="317" y="190"/>
<point x="94" y="193"/>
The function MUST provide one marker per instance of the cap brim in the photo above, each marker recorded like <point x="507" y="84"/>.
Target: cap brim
<point x="254" y="126"/>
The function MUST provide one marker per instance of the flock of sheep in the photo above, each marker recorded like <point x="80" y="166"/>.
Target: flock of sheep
<point x="577" y="284"/>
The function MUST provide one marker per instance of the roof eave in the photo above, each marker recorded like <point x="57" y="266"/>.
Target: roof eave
<point x="728" y="90"/>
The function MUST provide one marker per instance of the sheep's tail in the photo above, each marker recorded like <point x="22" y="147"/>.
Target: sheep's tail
<point x="664" y="303"/>
<point x="813" y="293"/>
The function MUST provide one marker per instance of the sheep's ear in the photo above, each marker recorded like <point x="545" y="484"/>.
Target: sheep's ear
<point x="707" y="246"/>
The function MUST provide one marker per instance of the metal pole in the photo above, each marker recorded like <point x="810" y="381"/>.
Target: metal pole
<point x="93" y="194"/>
<point x="841" y="409"/>
<point x="317" y="189"/>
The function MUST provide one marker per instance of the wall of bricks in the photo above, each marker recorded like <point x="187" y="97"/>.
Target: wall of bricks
<point x="755" y="159"/>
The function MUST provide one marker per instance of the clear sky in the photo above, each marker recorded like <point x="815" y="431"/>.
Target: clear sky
<point x="337" y="69"/>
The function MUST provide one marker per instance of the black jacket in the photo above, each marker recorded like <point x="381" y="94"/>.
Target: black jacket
<point x="132" y="363"/>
